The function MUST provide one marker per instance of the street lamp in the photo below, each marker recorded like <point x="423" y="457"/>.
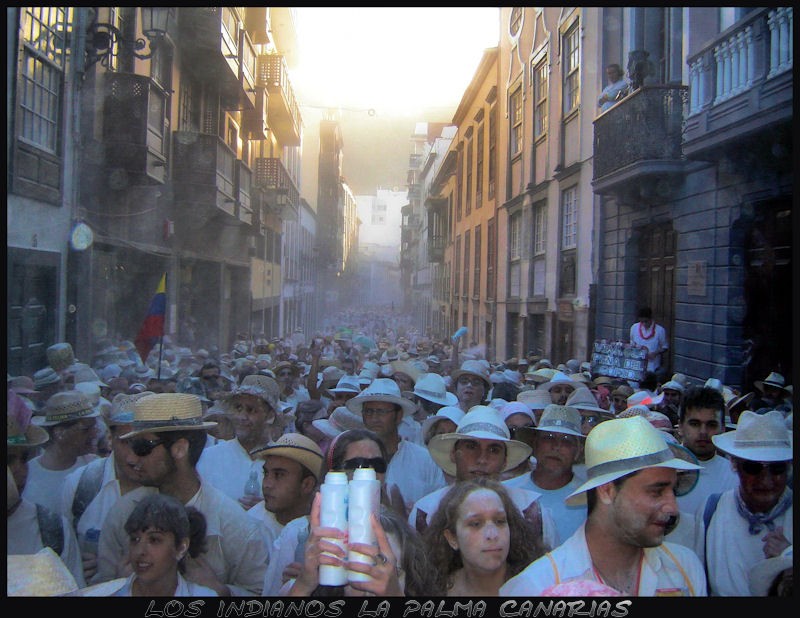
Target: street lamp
<point x="103" y="39"/>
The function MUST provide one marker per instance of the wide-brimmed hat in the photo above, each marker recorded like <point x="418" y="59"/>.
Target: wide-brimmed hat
<point x="60" y="356"/>
<point x="535" y="399"/>
<point x="122" y="407"/>
<point x="19" y="429"/>
<point x="623" y="390"/>
<point x="510" y="408"/>
<point x="42" y="574"/>
<point x="431" y="386"/>
<point x="453" y="413"/>
<point x="672" y="385"/>
<point x="757" y="437"/>
<point x="92" y="391"/>
<point x="473" y="368"/>
<point x="480" y="423"/>
<point x="644" y="398"/>
<point x="168" y="412"/>
<point x="560" y="378"/>
<point x="142" y="373"/>
<point x="294" y="446"/>
<point x="330" y="376"/>
<point x="600" y="380"/>
<point x="561" y="419"/>
<point x="66" y="406"/>
<point x="87" y="374"/>
<point x="625" y="445"/>
<point x="346" y="384"/>
<point x="773" y="379"/>
<point x="22" y="385"/>
<point x="381" y="389"/>
<point x="45" y="376"/>
<point x="366" y="376"/>
<point x="762" y="574"/>
<point x="286" y="365"/>
<point x="739" y="402"/>
<point x="715" y="384"/>
<point x="584" y="399"/>
<point x="584" y="377"/>
<point x="406" y="367"/>
<point x="341" y="419"/>
<point x="539" y="376"/>
<point x="258" y="385"/>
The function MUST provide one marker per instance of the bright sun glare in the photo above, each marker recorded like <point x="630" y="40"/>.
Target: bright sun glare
<point x="397" y="60"/>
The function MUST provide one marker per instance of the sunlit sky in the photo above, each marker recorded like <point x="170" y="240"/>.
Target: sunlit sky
<point x="396" y="60"/>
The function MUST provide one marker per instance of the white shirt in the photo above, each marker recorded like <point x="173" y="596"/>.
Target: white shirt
<point x="716" y="476"/>
<point x="23" y="538"/>
<point x="414" y="472"/>
<point x="288" y="547"/>
<point x="227" y="467"/>
<point x="520" y="496"/>
<point x="410" y="429"/>
<point x="656" y="342"/>
<point x="611" y="91"/>
<point x="266" y="519"/>
<point x="185" y="588"/>
<point x="44" y="485"/>
<point x="669" y="568"/>
<point x="730" y="548"/>
<point x="567" y="518"/>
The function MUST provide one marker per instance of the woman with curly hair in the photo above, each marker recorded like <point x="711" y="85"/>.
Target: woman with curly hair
<point x="478" y="539"/>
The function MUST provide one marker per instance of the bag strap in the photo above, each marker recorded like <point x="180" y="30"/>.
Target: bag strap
<point x="708" y="513"/>
<point x="51" y="528"/>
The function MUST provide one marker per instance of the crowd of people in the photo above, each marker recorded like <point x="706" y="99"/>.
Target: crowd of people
<point x="198" y="473"/>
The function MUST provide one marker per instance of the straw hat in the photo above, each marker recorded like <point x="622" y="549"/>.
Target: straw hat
<point x="561" y="419"/>
<point x="559" y="379"/>
<point x="406" y="367"/>
<point x="346" y="384"/>
<point x="87" y="374"/>
<point x="713" y="383"/>
<point x="773" y="379"/>
<point x="625" y="445"/>
<point x="297" y="447"/>
<point x="480" y="423"/>
<point x="763" y="573"/>
<point x="261" y="386"/>
<point x="536" y="399"/>
<point x="431" y="386"/>
<point x="366" y="376"/>
<point x="583" y="399"/>
<point x="330" y="376"/>
<point x="672" y="385"/>
<point x="644" y="398"/>
<point x="167" y="412"/>
<point x="122" y="407"/>
<point x="582" y="376"/>
<point x="539" y="376"/>
<point x="599" y="380"/>
<point x="142" y="373"/>
<point x="758" y="437"/>
<point x="341" y="419"/>
<point x="42" y="574"/>
<point x="64" y="407"/>
<point x="623" y="390"/>
<point x="45" y="376"/>
<point x="473" y="368"/>
<point x="636" y="410"/>
<point x="286" y="365"/>
<point x="92" y="391"/>
<point x="60" y="356"/>
<point x="22" y="385"/>
<point x="19" y="430"/>
<point x="381" y="389"/>
<point x="453" y="413"/>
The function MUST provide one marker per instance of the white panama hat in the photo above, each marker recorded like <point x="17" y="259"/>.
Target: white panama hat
<point x="758" y="437"/>
<point x="381" y="389"/>
<point x="431" y="386"/>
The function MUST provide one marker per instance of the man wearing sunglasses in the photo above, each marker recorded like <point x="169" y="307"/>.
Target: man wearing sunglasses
<point x="754" y="520"/>
<point x="168" y="436"/>
<point x="701" y="417"/>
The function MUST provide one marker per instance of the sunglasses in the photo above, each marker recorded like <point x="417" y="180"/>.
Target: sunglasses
<point x="142" y="447"/>
<point x="754" y="468"/>
<point x="513" y="430"/>
<point x="377" y="463"/>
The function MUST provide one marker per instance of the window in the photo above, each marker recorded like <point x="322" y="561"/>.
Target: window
<point x="457" y="274"/>
<point x="491" y="258"/>
<point x="466" y="262"/>
<point x="569" y="218"/>
<point x="492" y="149"/>
<point x="514" y="253"/>
<point x="540" y="228"/>
<point x="572" y="63"/>
<point x="476" y="281"/>
<point x="479" y="169"/>
<point x="468" y="194"/>
<point x="42" y="74"/>
<point x="540" y="86"/>
<point x="515" y="110"/>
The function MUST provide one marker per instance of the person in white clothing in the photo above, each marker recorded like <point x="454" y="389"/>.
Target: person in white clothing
<point x="411" y="471"/>
<point x="632" y="474"/>
<point x="701" y="417"/>
<point x="754" y="520"/>
<point x="647" y="334"/>
<point x="71" y="422"/>
<point x="253" y="407"/>
<point x="481" y="447"/>
<point x="616" y="88"/>
<point x="292" y="467"/>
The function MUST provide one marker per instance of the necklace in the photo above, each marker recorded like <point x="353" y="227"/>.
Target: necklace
<point x="652" y="331"/>
<point x="625" y="589"/>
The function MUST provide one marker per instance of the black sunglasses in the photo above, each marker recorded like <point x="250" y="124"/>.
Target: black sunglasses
<point x="754" y="468"/>
<point x="377" y="463"/>
<point x="142" y="447"/>
<point x="513" y="430"/>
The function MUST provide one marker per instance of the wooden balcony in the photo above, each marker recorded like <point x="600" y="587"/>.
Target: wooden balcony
<point x="740" y="84"/>
<point x="283" y="110"/>
<point x="638" y="141"/>
<point x="134" y="126"/>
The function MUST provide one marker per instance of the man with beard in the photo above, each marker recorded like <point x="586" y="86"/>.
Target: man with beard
<point x="166" y="442"/>
<point x="631" y="505"/>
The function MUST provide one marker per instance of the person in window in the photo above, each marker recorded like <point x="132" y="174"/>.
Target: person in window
<point x="616" y="89"/>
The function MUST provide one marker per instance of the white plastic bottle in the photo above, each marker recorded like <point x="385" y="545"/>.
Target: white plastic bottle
<point x="333" y="514"/>
<point x="365" y="498"/>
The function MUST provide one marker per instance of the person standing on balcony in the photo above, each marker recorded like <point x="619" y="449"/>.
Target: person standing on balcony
<point x="616" y="89"/>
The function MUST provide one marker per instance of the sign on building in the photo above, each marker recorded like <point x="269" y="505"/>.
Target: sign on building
<point x="619" y="360"/>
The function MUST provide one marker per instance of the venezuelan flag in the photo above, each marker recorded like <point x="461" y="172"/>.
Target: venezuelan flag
<point x="153" y="327"/>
